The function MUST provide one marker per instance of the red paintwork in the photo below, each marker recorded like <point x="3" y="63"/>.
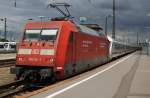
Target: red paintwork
<point x="66" y="52"/>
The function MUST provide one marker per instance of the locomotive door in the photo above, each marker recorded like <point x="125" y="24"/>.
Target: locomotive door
<point x="72" y="48"/>
<point x="73" y="53"/>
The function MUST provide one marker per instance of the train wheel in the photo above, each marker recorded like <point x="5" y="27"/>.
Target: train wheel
<point x="53" y="79"/>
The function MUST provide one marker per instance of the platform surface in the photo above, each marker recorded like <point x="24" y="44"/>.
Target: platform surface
<point x="7" y="56"/>
<point x="127" y="77"/>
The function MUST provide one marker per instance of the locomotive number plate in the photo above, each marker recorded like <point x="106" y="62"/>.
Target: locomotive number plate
<point x="35" y="51"/>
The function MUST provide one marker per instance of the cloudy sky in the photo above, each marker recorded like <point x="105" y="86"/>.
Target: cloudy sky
<point x="131" y="14"/>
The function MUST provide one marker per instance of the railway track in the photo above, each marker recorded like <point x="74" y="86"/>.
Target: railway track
<point x="7" y="63"/>
<point x="11" y="89"/>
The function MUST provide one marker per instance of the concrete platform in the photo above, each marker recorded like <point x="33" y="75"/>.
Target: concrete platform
<point x="140" y="87"/>
<point x="7" y="56"/>
<point x="128" y="77"/>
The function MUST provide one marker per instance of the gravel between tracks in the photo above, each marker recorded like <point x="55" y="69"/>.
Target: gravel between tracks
<point x="5" y="76"/>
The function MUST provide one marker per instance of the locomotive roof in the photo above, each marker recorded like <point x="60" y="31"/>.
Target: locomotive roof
<point x="83" y="29"/>
<point x="87" y="30"/>
<point x="93" y="26"/>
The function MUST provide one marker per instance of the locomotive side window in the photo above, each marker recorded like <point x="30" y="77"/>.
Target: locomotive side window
<point x="49" y="34"/>
<point x="31" y="35"/>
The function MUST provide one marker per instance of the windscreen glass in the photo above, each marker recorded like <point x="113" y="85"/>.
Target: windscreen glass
<point x="45" y="34"/>
<point x="48" y="35"/>
<point x="31" y="35"/>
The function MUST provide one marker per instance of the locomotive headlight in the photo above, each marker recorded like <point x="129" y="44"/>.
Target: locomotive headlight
<point x="47" y="52"/>
<point x="20" y="59"/>
<point x="24" y="51"/>
<point x="51" y="60"/>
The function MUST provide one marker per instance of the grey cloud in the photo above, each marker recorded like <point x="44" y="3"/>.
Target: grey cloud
<point x="130" y="13"/>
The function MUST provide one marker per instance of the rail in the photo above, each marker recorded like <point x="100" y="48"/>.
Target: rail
<point x="10" y="89"/>
<point x="7" y="62"/>
<point x="7" y="52"/>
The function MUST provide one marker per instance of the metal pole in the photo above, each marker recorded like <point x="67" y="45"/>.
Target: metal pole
<point x="5" y="28"/>
<point x="137" y="38"/>
<point x="41" y="18"/>
<point x="114" y="20"/>
<point x="106" y="26"/>
<point x="15" y="3"/>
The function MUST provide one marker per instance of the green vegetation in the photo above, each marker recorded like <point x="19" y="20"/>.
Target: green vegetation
<point x="3" y="40"/>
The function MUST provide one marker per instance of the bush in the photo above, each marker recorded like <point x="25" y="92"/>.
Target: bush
<point x="3" y="40"/>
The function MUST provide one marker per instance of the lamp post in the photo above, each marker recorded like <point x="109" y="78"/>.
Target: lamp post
<point x="106" y="22"/>
<point x="148" y="28"/>
<point x="147" y="40"/>
<point x="5" y="27"/>
<point x="15" y="3"/>
<point x="114" y="20"/>
<point x="41" y="17"/>
<point x="137" y="38"/>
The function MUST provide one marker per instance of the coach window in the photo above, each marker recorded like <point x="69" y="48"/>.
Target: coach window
<point x="71" y="37"/>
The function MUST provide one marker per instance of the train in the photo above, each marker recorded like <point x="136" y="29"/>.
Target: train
<point x="8" y="46"/>
<point x="59" y="48"/>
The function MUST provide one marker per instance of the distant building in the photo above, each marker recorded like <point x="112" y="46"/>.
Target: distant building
<point x="145" y="47"/>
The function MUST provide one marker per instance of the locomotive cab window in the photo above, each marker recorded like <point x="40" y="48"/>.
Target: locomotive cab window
<point x="34" y="35"/>
<point x="49" y="35"/>
<point x="31" y="35"/>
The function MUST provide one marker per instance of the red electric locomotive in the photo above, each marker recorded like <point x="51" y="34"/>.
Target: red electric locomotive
<point x="57" y="49"/>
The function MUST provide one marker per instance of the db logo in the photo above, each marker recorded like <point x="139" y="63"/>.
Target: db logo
<point x="35" y="51"/>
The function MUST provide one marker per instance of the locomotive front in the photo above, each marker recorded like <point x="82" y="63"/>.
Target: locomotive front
<point x="35" y="59"/>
